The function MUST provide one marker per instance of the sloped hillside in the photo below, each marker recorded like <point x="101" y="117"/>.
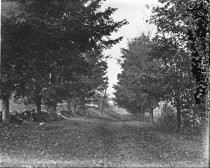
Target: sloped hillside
<point x="107" y="114"/>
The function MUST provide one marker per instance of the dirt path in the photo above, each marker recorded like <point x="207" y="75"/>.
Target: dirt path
<point x="137" y="144"/>
<point x="97" y="143"/>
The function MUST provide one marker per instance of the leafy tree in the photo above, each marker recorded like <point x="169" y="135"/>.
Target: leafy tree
<point x="52" y="52"/>
<point x="87" y="85"/>
<point x="175" y="79"/>
<point x="198" y="35"/>
<point x="153" y="71"/>
<point x="133" y="91"/>
<point x="171" y="21"/>
<point x="188" y="21"/>
<point x="11" y="65"/>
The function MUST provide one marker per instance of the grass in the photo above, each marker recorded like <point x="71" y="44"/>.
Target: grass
<point x="107" y="114"/>
<point x="95" y="141"/>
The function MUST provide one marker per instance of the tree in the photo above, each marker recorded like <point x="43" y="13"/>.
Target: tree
<point x="176" y="79"/>
<point x="132" y="91"/>
<point x="171" y="20"/>
<point x="9" y="70"/>
<point x="87" y="85"/>
<point x="198" y="36"/>
<point x="54" y="50"/>
<point x="188" y="21"/>
<point x="155" y="70"/>
<point x="199" y="39"/>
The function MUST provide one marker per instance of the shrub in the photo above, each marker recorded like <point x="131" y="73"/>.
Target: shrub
<point x="191" y="122"/>
<point x="167" y="119"/>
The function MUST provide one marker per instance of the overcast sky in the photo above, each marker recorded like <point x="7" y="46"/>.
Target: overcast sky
<point x="135" y="12"/>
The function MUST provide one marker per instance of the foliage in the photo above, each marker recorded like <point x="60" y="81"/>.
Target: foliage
<point x="99" y="99"/>
<point x="171" y="19"/>
<point x="155" y="70"/>
<point x="10" y="72"/>
<point x="132" y="90"/>
<point x="191" y="121"/>
<point x="167" y="119"/>
<point x="171" y="42"/>
<point x="175" y="78"/>
<point x="54" y="53"/>
<point x="188" y="23"/>
<point x="199" y="36"/>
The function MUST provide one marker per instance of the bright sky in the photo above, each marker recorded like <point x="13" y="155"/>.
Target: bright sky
<point x="135" y="12"/>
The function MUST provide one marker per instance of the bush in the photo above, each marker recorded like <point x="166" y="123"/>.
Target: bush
<point x="191" y="122"/>
<point x="167" y="119"/>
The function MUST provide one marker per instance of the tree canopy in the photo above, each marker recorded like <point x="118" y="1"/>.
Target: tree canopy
<point x="163" y="67"/>
<point x="55" y="48"/>
<point x="133" y="91"/>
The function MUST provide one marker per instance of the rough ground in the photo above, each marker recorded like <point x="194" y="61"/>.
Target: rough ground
<point x="95" y="142"/>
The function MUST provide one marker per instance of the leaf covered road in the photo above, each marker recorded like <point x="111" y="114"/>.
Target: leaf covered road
<point x="97" y="143"/>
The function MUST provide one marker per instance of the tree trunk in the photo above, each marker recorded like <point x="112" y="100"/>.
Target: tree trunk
<point x="38" y="99"/>
<point x="83" y="106"/>
<point x="178" y="115"/>
<point x="142" y="116"/>
<point x="142" y="113"/>
<point x="37" y="114"/>
<point x="38" y="103"/>
<point x="74" y="106"/>
<point x="136" y="113"/>
<point x="151" y="114"/>
<point x="5" y="110"/>
<point x="102" y="105"/>
<point x="71" y="106"/>
<point x="52" y="111"/>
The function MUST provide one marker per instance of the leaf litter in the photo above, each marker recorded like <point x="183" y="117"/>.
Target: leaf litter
<point x="97" y="143"/>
